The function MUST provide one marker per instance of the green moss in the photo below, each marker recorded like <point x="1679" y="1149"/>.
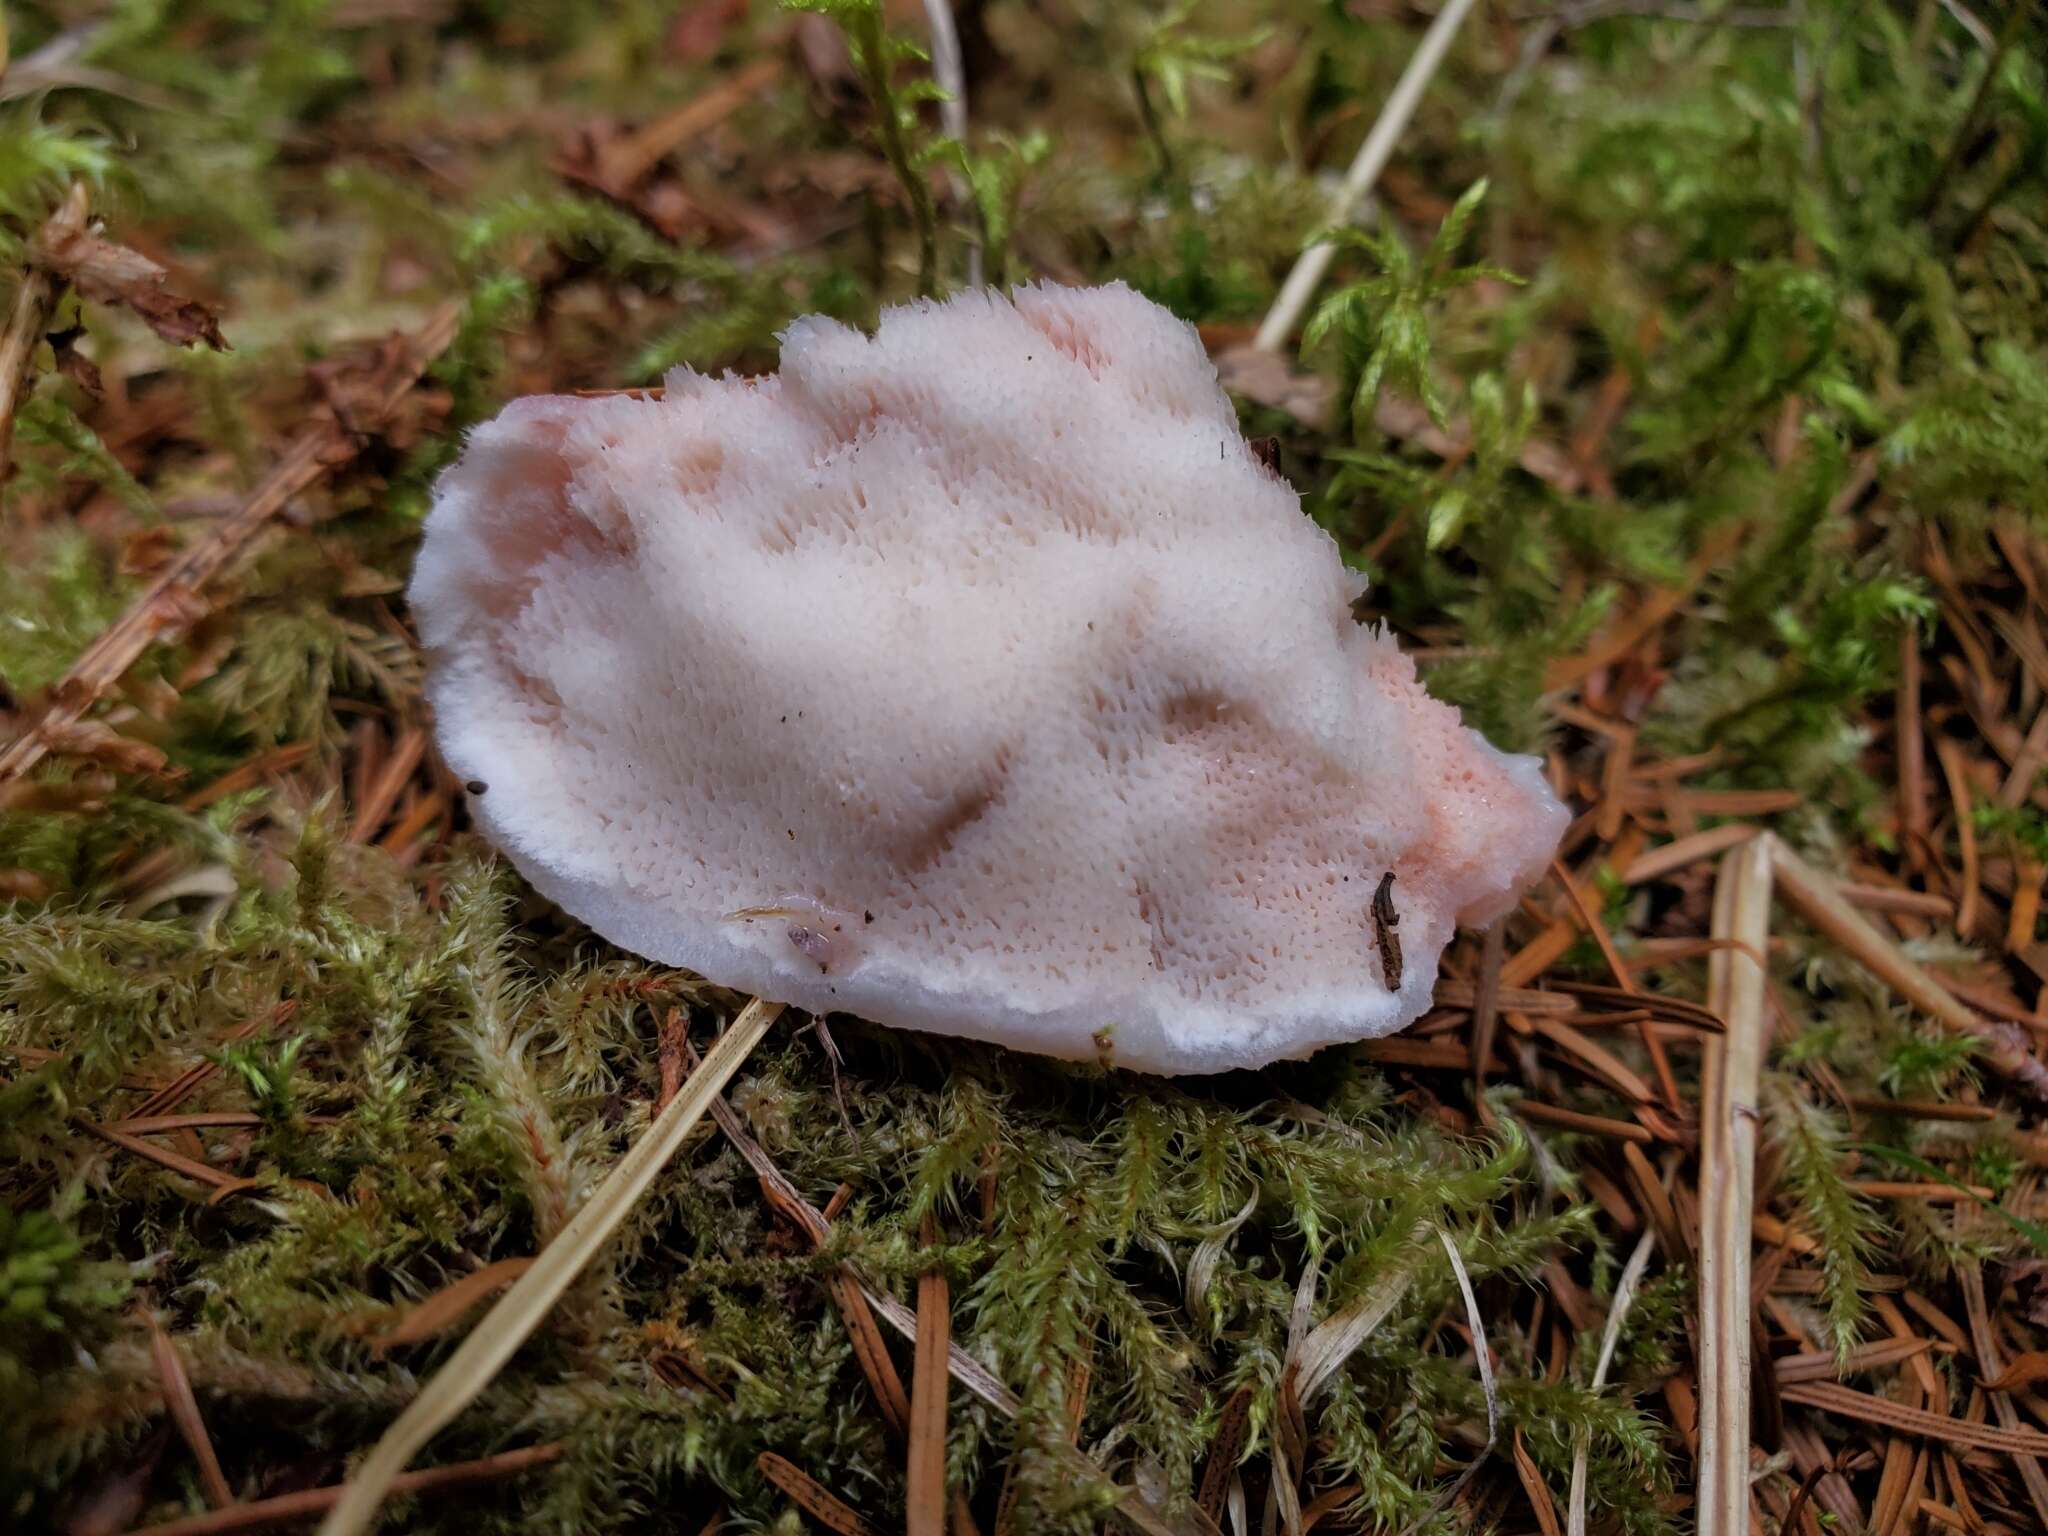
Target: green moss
<point x="1814" y="286"/>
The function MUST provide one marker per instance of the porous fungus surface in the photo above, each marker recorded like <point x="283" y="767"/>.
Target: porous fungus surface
<point x="971" y="676"/>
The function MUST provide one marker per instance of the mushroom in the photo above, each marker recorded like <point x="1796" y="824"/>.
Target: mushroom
<point x="972" y="676"/>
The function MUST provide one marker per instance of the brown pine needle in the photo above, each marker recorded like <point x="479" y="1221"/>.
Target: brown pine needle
<point x="184" y="1411"/>
<point x="449" y="1305"/>
<point x="1667" y="1080"/>
<point x="1847" y="1402"/>
<point x="1991" y="1362"/>
<point x="1958" y="791"/>
<point x="812" y="1497"/>
<point x="291" y="1508"/>
<point x="522" y="1309"/>
<point x="925" y="1495"/>
<point x="163" y="1157"/>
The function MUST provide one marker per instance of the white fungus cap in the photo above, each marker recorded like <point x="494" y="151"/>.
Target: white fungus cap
<point x="971" y="676"/>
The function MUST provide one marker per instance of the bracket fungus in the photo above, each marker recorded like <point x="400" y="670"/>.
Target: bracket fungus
<point x="972" y="676"/>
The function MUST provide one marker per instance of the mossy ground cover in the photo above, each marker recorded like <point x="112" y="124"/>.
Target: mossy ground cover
<point x="1701" y="449"/>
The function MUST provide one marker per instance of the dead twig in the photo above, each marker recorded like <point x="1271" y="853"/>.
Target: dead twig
<point x="34" y="300"/>
<point x="1728" y="1126"/>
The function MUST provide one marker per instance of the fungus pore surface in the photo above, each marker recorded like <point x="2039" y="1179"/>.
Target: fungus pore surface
<point x="971" y="676"/>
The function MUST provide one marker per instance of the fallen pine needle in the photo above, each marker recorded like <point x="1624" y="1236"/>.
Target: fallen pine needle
<point x="1133" y="1506"/>
<point x="449" y="1305"/>
<point x="1848" y="1403"/>
<point x="812" y="1496"/>
<point x="925" y="1478"/>
<point x="184" y="1410"/>
<point x="290" y="1508"/>
<point x="533" y="1295"/>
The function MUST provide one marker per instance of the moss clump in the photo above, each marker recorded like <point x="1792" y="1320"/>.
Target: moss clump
<point x="1764" y="405"/>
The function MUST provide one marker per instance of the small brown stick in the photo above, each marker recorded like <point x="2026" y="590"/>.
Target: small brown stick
<point x="1910" y="737"/>
<point x="184" y="1410"/>
<point x="925" y="1477"/>
<point x="1732" y="1068"/>
<point x="163" y="1157"/>
<point x="624" y="162"/>
<point x="290" y="1508"/>
<point x="1686" y="852"/>
<point x="34" y="300"/>
<point x="1957" y="772"/>
<point x="1820" y="904"/>
<point x="173" y="599"/>
<point x="1588" y="1125"/>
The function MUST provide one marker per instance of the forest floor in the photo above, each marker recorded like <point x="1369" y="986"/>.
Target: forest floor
<point x="1700" y="449"/>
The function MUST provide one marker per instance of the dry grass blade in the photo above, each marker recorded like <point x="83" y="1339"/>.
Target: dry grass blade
<point x="1365" y="169"/>
<point x="184" y="1409"/>
<point x="521" y="1309"/>
<point x="1484" y="1355"/>
<point x="1209" y="1253"/>
<point x="1728" y="1128"/>
<point x="1610" y="1335"/>
<point x="925" y="1478"/>
<point x="1335" y="1339"/>
<point x="170" y="601"/>
<point x="291" y="1508"/>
